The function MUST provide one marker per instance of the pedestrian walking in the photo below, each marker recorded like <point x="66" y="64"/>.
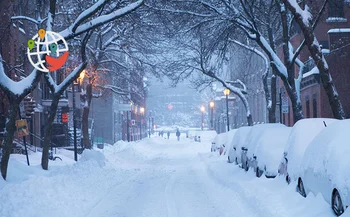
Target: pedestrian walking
<point x="168" y="134"/>
<point x="178" y="134"/>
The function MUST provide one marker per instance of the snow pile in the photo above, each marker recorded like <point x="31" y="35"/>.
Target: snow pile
<point x="327" y="156"/>
<point x="270" y="148"/>
<point x="93" y="155"/>
<point x="303" y="132"/>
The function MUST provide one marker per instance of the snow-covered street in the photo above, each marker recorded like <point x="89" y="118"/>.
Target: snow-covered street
<point x="154" y="177"/>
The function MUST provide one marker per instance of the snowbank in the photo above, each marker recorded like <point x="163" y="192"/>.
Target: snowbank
<point x="303" y="132"/>
<point x="93" y="155"/>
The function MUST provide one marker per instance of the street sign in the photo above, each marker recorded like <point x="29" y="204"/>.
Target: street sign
<point x="124" y="107"/>
<point x="22" y="127"/>
<point x="285" y="101"/>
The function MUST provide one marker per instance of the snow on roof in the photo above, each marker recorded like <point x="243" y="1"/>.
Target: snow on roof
<point x="339" y="30"/>
<point x="336" y="19"/>
<point x="313" y="71"/>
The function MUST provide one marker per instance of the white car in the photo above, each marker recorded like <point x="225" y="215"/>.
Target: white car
<point x="229" y="137"/>
<point x="325" y="166"/>
<point x="303" y="132"/>
<point x="269" y="149"/>
<point x="218" y="142"/>
<point x="251" y="142"/>
<point x="238" y="140"/>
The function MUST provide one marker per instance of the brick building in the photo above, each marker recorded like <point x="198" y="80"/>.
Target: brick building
<point x="333" y="33"/>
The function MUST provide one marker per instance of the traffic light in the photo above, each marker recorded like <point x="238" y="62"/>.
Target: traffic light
<point x="29" y="105"/>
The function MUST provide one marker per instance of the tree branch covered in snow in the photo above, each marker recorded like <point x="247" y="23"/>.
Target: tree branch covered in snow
<point x="79" y="26"/>
<point x="303" y="18"/>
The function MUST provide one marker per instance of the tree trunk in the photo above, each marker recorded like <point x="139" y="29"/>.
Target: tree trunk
<point x="85" y="118"/>
<point x="272" y="110"/>
<point x="296" y="104"/>
<point x="9" y="134"/>
<point x="318" y="57"/>
<point x="273" y="85"/>
<point x="48" y="131"/>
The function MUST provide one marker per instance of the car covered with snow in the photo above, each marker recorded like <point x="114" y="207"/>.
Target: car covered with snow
<point x="234" y="154"/>
<point x="247" y="153"/>
<point x="218" y="142"/>
<point x="229" y="137"/>
<point x="303" y="132"/>
<point x="269" y="149"/>
<point x="325" y="166"/>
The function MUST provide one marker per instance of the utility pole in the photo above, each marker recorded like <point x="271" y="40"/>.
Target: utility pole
<point x="227" y="117"/>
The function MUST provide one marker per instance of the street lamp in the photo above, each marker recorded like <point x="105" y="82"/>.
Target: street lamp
<point x="226" y="93"/>
<point x="202" y="110"/>
<point x="142" y="111"/>
<point x="212" y="104"/>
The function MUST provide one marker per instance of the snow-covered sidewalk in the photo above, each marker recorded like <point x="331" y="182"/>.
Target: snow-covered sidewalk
<point x="155" y="177"/>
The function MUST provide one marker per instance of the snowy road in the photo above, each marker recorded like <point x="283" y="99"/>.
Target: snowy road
<point x="156" y="178"/>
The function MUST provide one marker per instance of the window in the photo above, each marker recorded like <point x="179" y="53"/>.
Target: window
<point x="307" y="102"/>
<point x="336" y="8"/>
<point x="314" y="105"/>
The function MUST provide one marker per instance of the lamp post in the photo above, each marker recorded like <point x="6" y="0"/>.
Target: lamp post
<point x="142" y="111"/>
<point x="226" y="93"/>
<point x="202" y="110"/>
<point x="212" y="104"/>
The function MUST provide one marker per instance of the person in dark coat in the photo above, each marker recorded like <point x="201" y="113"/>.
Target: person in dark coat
<point x="178" y="134"/>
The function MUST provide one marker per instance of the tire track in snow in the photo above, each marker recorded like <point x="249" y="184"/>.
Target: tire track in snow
<point x="171" y="204"/>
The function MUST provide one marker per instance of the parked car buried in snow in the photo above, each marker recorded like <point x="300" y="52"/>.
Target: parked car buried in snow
<point x="325" y="166"/>
<point x="218" y="143"/>
<point x="247" y="153"/>
<point x="269" y="149"/>
<point x="234" y="154"/>
<point x="303" y="132"/>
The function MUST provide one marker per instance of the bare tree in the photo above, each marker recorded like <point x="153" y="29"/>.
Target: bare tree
<point x="304" y="18"/>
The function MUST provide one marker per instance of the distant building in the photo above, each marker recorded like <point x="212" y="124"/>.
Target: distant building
<point x="174" y="106"/>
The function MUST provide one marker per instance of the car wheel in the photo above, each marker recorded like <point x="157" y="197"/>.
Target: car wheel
<point x="301" y="188"/>
<point x="258" y="172"/>
<point x="246" y="166"/>
<point x="337" y="204"/>
<point x="288" y="179"/>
